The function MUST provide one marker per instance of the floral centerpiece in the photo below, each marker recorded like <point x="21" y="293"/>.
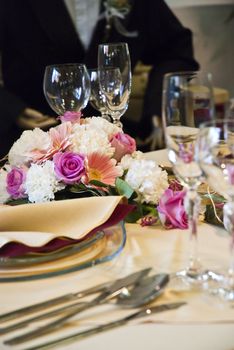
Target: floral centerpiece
<point x="90" y="157"/>
<point x="81" y="157"/>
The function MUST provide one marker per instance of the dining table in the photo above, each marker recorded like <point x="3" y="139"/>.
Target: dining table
<point x="205" y="322"/>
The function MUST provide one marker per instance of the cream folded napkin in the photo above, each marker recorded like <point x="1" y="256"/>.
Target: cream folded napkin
<point x="37" y="224"/>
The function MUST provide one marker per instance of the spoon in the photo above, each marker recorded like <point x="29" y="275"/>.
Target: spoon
<point x="144" y="292"/>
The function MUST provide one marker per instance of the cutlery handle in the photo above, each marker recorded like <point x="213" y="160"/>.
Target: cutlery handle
<point x="50" y="327"/>
<point x="84" y="334"/>
<point x="52" y="302"/>
<point x="42" y="316"/>
<point x="95" y="330"/>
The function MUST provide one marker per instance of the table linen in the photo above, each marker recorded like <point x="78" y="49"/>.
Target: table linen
<point x="205" y="323"/>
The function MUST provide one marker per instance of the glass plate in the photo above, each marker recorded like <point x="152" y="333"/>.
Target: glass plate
<point x="99" y="251"/>
<point x="32" y="258"/>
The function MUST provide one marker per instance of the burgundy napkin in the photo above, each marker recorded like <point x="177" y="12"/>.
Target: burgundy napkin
<point x="15" y="249"/>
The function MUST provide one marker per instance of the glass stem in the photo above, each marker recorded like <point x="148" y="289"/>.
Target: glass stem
<point x="228" y="211"/>
<point x="106" y="116"/>
<point x="192" y="205"/>
<point x="116" y="119"/>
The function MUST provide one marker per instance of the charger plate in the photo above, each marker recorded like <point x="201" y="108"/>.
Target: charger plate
<point x="102" y="247"/>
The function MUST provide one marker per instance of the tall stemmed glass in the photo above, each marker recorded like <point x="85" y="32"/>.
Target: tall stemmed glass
<point x="66" y="87"/>
<point x="216" y="159"/>
<point x="115" y="78"/>
<point x="97" y="98"/>
<point x="187" y="101"/>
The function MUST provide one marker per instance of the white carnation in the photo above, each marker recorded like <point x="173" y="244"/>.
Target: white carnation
<point x="128" y="159"/>
<point x="41" y="182"/>
<point x="30" y="140"/>
<point x="147" y="179"/>
<point x="4" y="195"/>
<point x="103" y="124"/>
<point x="88" y="139"/>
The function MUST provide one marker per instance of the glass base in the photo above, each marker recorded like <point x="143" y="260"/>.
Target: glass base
<point x="199" y="277"/>
<point x="223" y="289"/>
<point x="226" y="294"/>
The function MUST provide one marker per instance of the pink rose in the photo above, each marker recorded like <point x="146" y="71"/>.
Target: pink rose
<point x="187" y="155"/>
<point x="15" y="180"/>
<point x="73" y="117"/>
<point x="123" y="144"/>
<point x="171" y="210"/>
<point x="69" y="166"/>
<point x="174" y="185"/>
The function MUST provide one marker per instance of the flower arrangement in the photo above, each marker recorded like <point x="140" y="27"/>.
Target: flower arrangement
<point x="90" y="157"/>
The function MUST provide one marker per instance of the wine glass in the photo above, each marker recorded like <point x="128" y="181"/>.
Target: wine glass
<point x="187" y="102"/>
<point x="215" y="152"/>
<point x="97" y="98"/>
<point x="115" y="78"/>
<point x="66" y="87"/>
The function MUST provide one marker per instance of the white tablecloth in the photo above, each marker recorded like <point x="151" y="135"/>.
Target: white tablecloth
<point x="204" y="323"/>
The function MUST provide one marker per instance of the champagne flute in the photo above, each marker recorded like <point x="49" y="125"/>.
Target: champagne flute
<point x="97" y="98"/>
<point x="115" y="78"/>
<point x="66" y="87"/>
<point x="216" y="158"/>
<point x="187" y="101"/>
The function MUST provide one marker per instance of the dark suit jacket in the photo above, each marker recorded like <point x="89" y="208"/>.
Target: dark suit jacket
<point x="35" y="33"/>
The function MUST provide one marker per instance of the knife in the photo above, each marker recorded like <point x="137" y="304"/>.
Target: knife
<point x="120" y="322"/>
<point x="59" y="300"/>
<point x="107" y="294"/>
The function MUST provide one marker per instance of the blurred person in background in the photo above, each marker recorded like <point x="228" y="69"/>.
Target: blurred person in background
<point x="37" y="33"/>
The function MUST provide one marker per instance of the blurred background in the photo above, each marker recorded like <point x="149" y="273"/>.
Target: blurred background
<point x="212" y="23"/>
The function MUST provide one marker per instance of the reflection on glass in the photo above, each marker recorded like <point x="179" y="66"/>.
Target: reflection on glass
<point x="115" y="78"/>
<point x="66" y="87"/>
<point x="187" y="101"/>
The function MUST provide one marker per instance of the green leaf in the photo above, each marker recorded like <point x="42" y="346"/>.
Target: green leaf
<point x="19" y="201"/>
<point x="82" y="189"/>
<point x="123" y="188"/>
<point x="98" y="183"/>
<point x="210" y="216"/>
<point x="215" y="197"/>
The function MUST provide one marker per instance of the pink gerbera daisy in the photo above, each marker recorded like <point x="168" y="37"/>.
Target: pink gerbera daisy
<point x="101" y="168"/>
<point x="60" y="142"/>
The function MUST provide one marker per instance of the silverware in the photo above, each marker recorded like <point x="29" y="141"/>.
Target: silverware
<point x="145" y="290"/>
<point x="108" y="293"/>
<point x="151" y="287"/>
<point x="60" y="300"/>
<point x="95" y="330"/>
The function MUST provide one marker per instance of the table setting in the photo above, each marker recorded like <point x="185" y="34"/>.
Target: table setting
<point x="104" y="246"/>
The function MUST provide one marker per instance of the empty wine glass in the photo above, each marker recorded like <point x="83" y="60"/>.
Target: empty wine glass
<point x="97" y="98"/>
<point x="216" y="159"/>
<point x="66" y="87"/>
<point x="187" y="101"/>
<point x="115" y="78"/>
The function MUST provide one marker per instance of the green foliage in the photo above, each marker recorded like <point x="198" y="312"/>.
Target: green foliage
<point x="210" y="216"/>
<point x="123" y="188"/>
<point x="140" y="211"/>
<point x="19" y="201"/>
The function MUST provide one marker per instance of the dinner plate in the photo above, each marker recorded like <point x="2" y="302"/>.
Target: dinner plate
<point x="32" y="258"/>
<point x="104" y="246"/>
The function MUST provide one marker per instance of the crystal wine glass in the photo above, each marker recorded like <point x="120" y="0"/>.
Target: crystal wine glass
<point x="216" y="159"/>
<point x="187" y="101"/>
<point x="115" y="78"/>
<point x="66" y="87"/>
<point x="97" y="98"/>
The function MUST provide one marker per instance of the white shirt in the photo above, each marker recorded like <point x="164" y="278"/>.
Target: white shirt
<point x="84" y="14"/>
